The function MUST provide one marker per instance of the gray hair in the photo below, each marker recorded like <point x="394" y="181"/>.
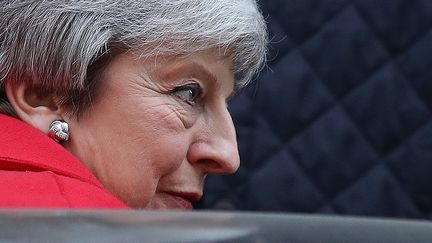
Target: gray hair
<point x="62" y="46"/>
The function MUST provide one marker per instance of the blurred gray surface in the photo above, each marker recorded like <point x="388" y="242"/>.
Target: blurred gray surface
<point x="144" y="226"/>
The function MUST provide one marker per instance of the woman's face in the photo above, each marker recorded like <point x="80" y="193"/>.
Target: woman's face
<point x="157" y="127"/>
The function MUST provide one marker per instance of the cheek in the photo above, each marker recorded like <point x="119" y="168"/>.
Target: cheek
<point x="133" y="148"/>
<point x="156" y="146"/>
<point x="157" y="139"/>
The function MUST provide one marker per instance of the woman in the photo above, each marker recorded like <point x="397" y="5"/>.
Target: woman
<point x="120" y="104"/>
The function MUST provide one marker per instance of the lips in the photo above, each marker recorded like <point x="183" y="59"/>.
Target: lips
<point x="181" y="200"/>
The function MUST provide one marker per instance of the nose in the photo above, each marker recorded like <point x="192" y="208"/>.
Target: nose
<point x="214" y="148"/>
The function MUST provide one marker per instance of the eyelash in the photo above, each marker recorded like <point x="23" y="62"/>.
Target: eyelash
<point x="194" y="89"/>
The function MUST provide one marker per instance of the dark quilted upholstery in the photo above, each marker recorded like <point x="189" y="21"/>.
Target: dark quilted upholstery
<point x="340" y="122"/>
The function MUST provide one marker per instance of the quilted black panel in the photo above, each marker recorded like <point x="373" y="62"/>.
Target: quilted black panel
<point x="340" y="121"/>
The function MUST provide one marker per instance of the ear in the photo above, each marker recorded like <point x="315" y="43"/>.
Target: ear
<point x="31" y="107"/>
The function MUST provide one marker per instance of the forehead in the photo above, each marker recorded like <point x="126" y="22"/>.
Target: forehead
<point x="202" y="58"/>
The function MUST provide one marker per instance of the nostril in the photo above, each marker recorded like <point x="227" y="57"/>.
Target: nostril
<point x="216" y="167"/>
<point x="210" y="165"/>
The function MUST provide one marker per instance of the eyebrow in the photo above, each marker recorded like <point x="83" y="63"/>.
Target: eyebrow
<point x="189" y="70"/>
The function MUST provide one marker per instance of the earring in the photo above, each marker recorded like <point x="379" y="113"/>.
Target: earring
<point x="59" y="131"/>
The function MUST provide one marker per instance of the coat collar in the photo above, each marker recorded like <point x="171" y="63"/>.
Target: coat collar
<point x="25" y="148"/>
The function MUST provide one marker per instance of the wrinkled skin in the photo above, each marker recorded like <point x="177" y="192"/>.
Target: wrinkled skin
<point x="157" y="127"/>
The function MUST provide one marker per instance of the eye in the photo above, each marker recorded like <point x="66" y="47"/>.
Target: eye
<point x="188" y="93"/>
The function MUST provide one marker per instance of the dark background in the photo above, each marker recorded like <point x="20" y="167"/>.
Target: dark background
<point x="340" y="120"/>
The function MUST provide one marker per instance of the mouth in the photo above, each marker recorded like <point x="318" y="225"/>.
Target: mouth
<point x="182" y="200"/>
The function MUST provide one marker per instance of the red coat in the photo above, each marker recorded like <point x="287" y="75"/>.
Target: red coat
<point x="36" y="172"/>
